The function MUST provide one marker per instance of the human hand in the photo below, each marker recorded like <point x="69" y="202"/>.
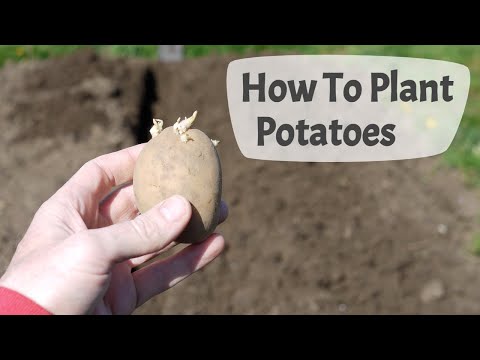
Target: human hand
<point x="78" y="253"/>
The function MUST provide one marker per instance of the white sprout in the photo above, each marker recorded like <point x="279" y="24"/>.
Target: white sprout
<point x="156" y="128"/>
<point x="181" y="127"/>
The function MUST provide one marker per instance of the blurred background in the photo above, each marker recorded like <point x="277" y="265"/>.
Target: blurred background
<point x="398" y="237"/>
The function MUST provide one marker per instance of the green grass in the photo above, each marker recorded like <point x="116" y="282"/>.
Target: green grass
<point x="475" y="246"/>
<point x="465" y="150"/>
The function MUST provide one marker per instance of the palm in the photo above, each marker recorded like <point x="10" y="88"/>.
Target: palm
<point x="65" y="221"/>
<point x="121" y="293"/>
<point x="85" y="239"/>
<point x="120" y="297"/>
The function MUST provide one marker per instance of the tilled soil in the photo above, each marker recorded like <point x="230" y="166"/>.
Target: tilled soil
<point x="303" y="238"/>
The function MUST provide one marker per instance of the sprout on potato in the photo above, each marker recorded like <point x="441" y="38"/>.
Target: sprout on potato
<point x="156" y="128"/>
<point x="180" y="128"/>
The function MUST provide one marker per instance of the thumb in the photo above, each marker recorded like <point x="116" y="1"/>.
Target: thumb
<point x="147" y="233"/>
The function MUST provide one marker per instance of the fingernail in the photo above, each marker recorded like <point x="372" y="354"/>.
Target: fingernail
<point x="173" y="208"/>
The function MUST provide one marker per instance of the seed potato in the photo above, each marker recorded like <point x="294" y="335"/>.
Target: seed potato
<point x="183" y="161"/>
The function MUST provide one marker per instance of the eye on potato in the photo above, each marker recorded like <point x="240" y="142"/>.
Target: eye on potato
<point x="184" y="161"/>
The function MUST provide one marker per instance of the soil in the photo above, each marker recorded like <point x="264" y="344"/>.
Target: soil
<point x="303" y="238"/>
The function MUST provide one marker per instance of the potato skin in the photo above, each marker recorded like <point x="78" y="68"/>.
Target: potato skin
<point x="167" y="166"/>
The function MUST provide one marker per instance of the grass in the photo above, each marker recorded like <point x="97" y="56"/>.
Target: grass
<point x="475" y="247"/>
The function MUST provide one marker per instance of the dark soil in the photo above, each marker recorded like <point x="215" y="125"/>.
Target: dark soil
<point x="387" y="237"/>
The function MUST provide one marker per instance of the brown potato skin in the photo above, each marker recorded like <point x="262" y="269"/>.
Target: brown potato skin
<point x="167" y="166"/>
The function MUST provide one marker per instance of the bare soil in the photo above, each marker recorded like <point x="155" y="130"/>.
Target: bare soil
<point x="303" y="238"/>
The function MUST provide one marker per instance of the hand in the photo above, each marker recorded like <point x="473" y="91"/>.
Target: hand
<point x="78" y="254"/>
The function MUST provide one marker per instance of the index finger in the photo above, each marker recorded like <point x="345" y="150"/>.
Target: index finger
<point x="98" y="176"/>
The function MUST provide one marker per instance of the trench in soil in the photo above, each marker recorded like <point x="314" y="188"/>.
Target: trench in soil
<point x="148" y="99"/>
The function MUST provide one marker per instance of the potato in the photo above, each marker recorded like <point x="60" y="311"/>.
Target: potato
<point x="186" y="163"/>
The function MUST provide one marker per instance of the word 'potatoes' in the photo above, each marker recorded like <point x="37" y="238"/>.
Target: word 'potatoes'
<point x="183" y="161"/>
